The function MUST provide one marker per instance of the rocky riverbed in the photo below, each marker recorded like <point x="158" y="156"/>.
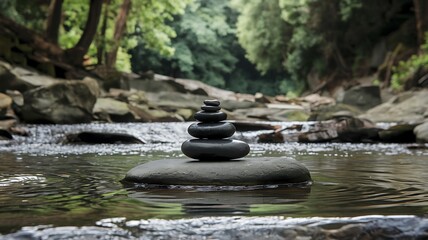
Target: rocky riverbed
<point x="369" y="227"/>
<point x="30" y="97"/>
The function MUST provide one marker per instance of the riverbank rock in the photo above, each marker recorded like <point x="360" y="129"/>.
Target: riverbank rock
<point x="22" y="79"/>
<point x="327" y="112"/>
<point x="341" y="129"/>
<point x="401" y="133"/>
<point x="5" y="103"/>
<point x="408" y="107"/>
<point x="65" y="102"/>
<point x="363" y="97"/>
<point x="242" y="172"/>
<point x="421" y="132"/>
<point x="109" y="109"/>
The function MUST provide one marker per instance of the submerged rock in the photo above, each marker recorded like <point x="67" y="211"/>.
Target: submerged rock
<point x="402" y="133"/>
<point x="101" y="137"/>
<point x="242" y="172"/>
<point x="5" y="135"/>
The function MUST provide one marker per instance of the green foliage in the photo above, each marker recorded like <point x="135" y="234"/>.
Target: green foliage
<point x="75" y="14"/>
<point x="207" y="49"/>
<point x="262" y="33"/>
<point x="331" y="38"/>
<point x="347" y="7"/>
<point x="146" y="21"/>
<point x="25" y="12"/>
<point x="203" y="35"/>
<point x="406" y="69"/>
<point x="8" y="9"/>
<point x="280" y="39"/>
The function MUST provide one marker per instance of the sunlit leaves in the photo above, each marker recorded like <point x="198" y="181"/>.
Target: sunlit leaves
<point x="262" y="33"/>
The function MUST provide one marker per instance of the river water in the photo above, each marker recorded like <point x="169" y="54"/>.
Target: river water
<point x="45" y="185"/>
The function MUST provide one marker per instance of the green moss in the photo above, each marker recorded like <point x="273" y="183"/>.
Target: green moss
<point x="406" y="69"/>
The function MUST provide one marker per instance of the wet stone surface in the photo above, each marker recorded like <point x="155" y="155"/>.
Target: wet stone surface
<point x="366" y="227"/>
<point x="242" y="172"/>
<point x="212" y="143"/>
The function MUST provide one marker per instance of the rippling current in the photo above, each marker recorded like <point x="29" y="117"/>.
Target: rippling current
<point x="47" y="184"/>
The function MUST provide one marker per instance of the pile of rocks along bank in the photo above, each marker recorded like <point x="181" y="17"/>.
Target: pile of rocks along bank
<point x="218" y="160"/>
<point x="212" y="135"/>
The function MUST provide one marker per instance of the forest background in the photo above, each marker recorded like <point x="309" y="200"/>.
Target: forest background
<point x="270" y="46"/>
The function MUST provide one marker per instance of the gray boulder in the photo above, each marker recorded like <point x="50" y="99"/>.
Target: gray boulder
<point x="65" y="102"/>
<point x="242" y="172"/>
<point x="175" y="100"/>
<point x="408" y="107"/>
<point x="22" y="79"/>
<point x="113" y="110"/>
<point x="145" y="113"/>
<point x="328" y="112"/>
<point x="363" y="97"/>
<point x="421" y="132"/>
<point x="5" y="103"/>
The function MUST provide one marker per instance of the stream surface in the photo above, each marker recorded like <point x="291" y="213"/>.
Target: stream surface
<point x="54" y="190"/>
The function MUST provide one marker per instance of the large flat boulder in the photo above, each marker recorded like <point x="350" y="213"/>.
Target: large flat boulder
<point x="408" y="107"/>
<point x="242" y="172"/>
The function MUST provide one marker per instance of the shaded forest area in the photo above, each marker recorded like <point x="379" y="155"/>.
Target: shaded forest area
<point x="275" y="47"/>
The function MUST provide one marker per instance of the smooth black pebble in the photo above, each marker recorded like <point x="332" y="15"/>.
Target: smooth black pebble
<point x="204" y="116"/>
<point x="217" y="130"/>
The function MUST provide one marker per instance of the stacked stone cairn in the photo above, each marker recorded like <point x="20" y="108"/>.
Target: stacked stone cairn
<point x="212" y="134"/>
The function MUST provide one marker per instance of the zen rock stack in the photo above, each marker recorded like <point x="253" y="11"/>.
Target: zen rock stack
<point x="217" y="160"/>
<point x="212" y="133"/>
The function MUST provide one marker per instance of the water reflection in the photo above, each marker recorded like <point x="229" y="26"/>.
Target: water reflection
<point x="219" y="202"/>
<point x="43" y="182"/>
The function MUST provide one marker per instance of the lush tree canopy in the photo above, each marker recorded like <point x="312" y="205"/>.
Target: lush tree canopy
<point x="143" y="20"/>
<point x="274" y="46"/>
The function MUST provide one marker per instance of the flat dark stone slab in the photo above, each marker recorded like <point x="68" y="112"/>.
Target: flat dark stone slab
<point x="242" y="172"/>
<point x="212" y="130"/>
<point x="101" y="138"/>
<point x="215" y="149"/>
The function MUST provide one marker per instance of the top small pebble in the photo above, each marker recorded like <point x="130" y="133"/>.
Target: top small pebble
<point x="214" y="102"/>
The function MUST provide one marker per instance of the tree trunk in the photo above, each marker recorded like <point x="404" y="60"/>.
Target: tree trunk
<point x="75" y="54"/>
<point x="38" y="42"/>
<point x="54" y="21"/>
<point x="119" y="30"/>
<point x="102" y="43"/>
<point x="421" y="12"/>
